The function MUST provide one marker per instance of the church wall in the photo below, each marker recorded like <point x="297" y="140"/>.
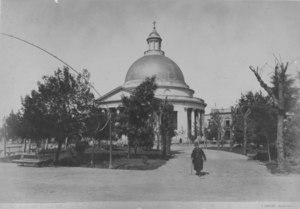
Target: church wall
<point x="182" y="122"/>
<point x="110" y="105"/>
<point x="187" y="116"/>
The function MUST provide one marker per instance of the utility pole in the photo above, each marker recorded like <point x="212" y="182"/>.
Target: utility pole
<point x="4" y="140"/>
<point x="110" y="144"/>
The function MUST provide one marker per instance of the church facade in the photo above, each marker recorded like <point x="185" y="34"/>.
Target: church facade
<point x="188" y="110"/>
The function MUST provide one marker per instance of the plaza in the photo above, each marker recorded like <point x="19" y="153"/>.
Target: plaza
<point x="231" y="178"/>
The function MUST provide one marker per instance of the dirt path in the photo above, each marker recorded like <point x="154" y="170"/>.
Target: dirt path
<point x="231" y="178"/>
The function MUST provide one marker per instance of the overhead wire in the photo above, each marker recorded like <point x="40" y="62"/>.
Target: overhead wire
<point x="69" y="66"/>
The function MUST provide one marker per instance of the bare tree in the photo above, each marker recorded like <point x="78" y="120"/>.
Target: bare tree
<point x="278" y="101"/>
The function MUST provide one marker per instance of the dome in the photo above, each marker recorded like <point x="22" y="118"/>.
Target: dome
<point x="166" y="71"/>
<point x="155" y="63"/>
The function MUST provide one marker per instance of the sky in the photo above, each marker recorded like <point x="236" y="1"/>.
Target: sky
<point x="213" y="42"/>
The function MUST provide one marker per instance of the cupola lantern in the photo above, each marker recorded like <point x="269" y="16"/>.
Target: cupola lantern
<point x="154" y="42"/>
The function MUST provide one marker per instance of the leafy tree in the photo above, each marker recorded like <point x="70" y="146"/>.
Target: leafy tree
<point x="13" y="125"/>
<point x="265" y="124"/>
<point x="292" y="127"/>
<point x="291" y="134"/>
<point x="136" y="118"/>
<point x="216" y="126"/>
<point x="60" y="107"/>
<point x="167" y="128"/>
<point x="211" y="131"/>
<point x="259" y="127"/>
<point x="34" y="121"/>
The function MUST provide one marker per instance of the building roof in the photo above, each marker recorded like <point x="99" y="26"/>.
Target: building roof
<point x="163" y="68"/>
<point x="155" y="63"/>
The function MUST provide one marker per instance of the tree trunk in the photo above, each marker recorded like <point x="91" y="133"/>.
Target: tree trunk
<point x="66" y="143"/>
<point x="58" y="150"/>
<point x="93" y="152"/>
<point x="46" y="144"/>
<point x="231" y="141"/>
<point x="280" y="117"/>
<point x="268" y="147"/>
<point x="164" y="151"/>
<point x="168" y="146"/>
<point x="4" y="146"/>
<point x="128" y="151"/>
<point x="158" y="142"/>
<point x="25" y="145"/>
<point x="245" y="141"/>
<point x="279" y="141"/>
<point x="135" y="149"/>
<point x="29" y="146"/>
<point x="219" y="137"/>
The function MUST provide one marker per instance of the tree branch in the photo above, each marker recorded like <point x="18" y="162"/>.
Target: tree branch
<point x="264" y="85"/>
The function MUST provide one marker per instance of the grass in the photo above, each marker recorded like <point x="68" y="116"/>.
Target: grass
<point x="143" y="160"/>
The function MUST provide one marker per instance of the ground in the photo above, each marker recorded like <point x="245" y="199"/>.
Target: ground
<point x="231" y="178"/>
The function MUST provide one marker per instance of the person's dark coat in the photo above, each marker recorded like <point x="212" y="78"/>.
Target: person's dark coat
<point x="197" y="158"/>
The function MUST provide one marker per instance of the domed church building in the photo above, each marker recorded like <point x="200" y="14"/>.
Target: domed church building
<point x="188" y="110"/>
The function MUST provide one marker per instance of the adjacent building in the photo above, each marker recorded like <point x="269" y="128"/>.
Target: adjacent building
<point x="226" y="121"/>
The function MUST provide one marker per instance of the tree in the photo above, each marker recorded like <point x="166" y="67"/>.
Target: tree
<point x="265" y="123"/>
<point x="13" y="125"/>
<point x="281" y="94"/>
<point x="292" y="128"/>
<point x="167" y="128"/>
<point x="60" y="107"/>
<point x="211" y="131"/>
<point x="258" y="127"/>
<point x="216" y="122"/>
<point x="244" y="110"/>
<point x="137" y="115"/>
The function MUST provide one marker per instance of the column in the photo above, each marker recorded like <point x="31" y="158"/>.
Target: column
<point x="189" y="122"/>
<point x="197" y="125"/>
<point x="196" y="122"/>
<point x="201" y="120"/>
<point x="193" y="122"/>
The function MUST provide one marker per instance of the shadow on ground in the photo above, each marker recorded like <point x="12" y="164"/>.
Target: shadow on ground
<point x="203" y="173"/>
<point x="142" y="160"/>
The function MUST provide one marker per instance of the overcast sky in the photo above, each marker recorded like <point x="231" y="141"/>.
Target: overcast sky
<point x="212" y="42"/>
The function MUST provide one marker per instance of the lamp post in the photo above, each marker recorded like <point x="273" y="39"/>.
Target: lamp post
<point x="110" y="140"/>
<point x="4" y="139"/>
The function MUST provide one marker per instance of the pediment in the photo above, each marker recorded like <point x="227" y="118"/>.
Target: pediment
<point x="114" y="95"/>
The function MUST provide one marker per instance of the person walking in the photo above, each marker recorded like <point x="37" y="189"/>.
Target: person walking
<point x="198" y="157"/>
